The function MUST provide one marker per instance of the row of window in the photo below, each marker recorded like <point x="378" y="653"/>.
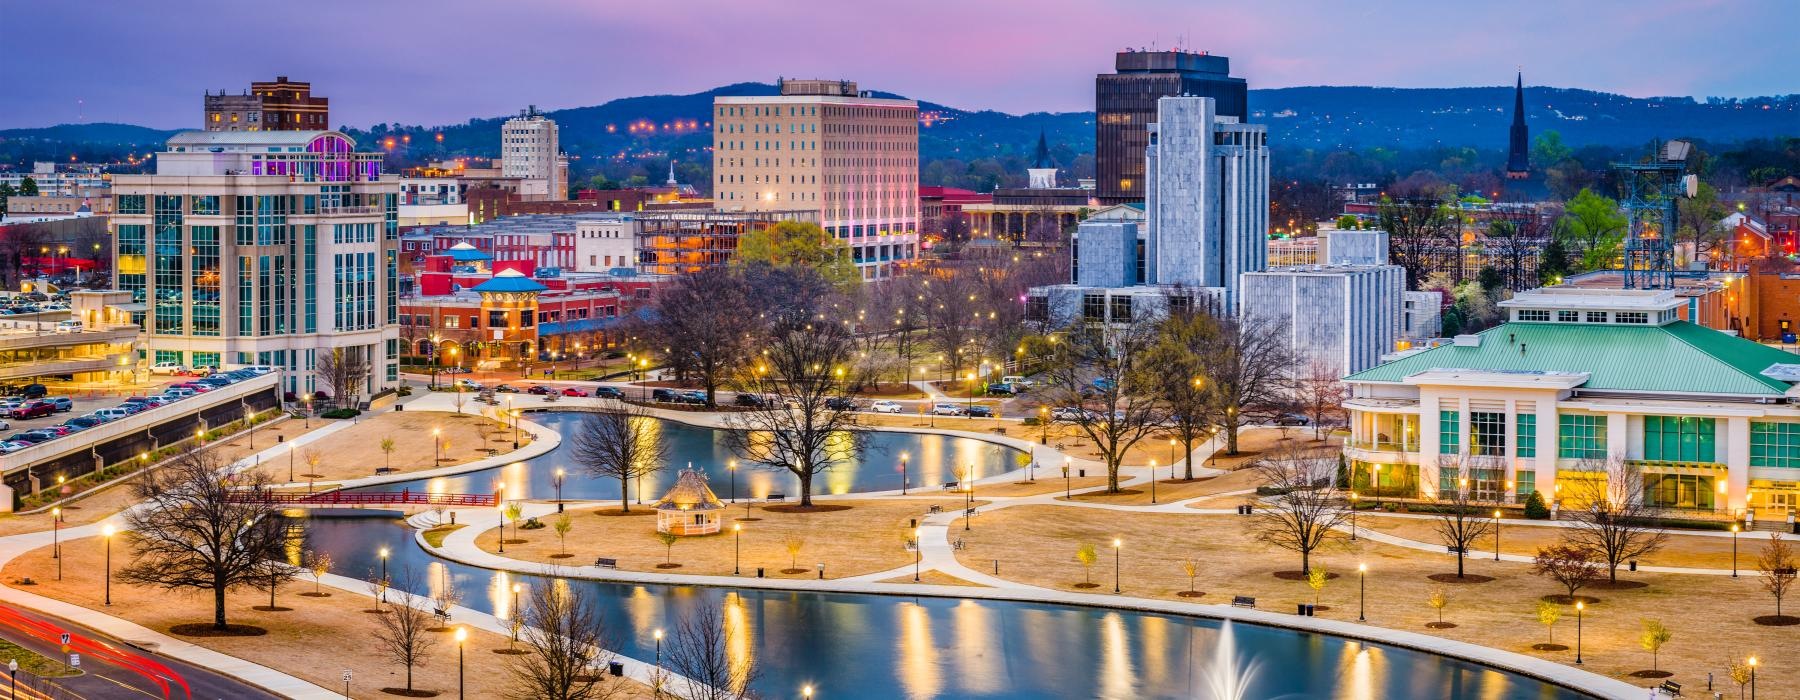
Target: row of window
<point x="1584" y="436"/>
<point x="1569" y="316"/>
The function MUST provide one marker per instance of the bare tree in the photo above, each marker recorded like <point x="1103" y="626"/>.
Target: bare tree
<point x="567" y="636"/>
<point x="197" y="529"/>
<point x="1460" y="523"/>
<point x="1612" y="517"/>
<point x="1180" y="381"/>
<point x="1571" y="567"/>
<point x="346" y="372"/>
<point x="1304" y="509"/>
<point x="950" y="314"/>
<point x="403" y="633"/>
<point x="810" y="429"/>
<point x="1249" y="363"/>
<point x="1102" y="378"/>
<point x="1775" y="568"/>
<point x="623" y="442"/>
<point x="1417" y="226"/>
<point x="1320" y="390"/>
<point x="706" y="318"/>
<point x="711" y="656"/>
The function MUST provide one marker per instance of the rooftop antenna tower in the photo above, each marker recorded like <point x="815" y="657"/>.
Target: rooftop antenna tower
<point x="1652" y="191"/>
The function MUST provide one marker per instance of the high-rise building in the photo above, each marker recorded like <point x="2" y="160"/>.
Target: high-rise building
<point x="824" y="146"/>
<point x="1207" y="197"/>
<point x="280" y="105"/>
<point x="531" y="150"/>
<point x="1125" y="103"/>
<point x="1518" y="164"/>
<point x="270" y="248"/>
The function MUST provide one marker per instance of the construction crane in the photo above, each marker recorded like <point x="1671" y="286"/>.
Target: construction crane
<point x="1652" y="192"/>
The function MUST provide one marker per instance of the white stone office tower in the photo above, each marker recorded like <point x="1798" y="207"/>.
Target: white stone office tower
<point x="530" y="149"/>
<point x="1207" y="197"/>
<point x="263" y="248"/>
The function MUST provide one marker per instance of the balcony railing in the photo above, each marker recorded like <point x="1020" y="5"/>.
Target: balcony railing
<point x="341" y="211"/>
<point x="1383" y="446"/>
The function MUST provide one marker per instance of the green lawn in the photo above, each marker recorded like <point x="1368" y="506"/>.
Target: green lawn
<point x="34" y="663"/>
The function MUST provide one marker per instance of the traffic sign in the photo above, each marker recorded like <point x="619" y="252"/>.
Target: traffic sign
<point x="75" y="660"/>
<point x="346" y="675"/>
<point x="65" y="638"/>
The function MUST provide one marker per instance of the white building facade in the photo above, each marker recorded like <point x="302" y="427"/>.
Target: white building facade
<point x="266" y="247"/>
<point x="606" y="244"/>
<point x="530" y="148"/>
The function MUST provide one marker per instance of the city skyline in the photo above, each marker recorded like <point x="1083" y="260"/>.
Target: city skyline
<point x="394" y="64"/>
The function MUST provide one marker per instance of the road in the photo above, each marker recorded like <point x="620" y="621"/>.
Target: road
<point x="112" y="668"/>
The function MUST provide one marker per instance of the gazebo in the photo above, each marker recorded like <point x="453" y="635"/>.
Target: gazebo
<point x="689" y="508"/>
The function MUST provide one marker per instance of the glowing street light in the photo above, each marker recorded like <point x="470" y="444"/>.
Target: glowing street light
<point x="1362" y="591"/>
<point x="106" y="533"/>
<point x="462" y="635"/>
<point x="1117" y="545"/>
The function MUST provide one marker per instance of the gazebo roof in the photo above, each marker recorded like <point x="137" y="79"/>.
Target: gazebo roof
<point x="463" y="252"/>
<point x="510" y="280"/>
<point x="690" y="492"/>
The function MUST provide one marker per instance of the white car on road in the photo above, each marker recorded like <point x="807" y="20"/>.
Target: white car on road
<point x="948" y="409"/>
<point x="885" y="407"/>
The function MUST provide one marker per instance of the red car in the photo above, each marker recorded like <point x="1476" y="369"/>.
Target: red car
<point x="34" y="409"/>
<point x="540" y="390"/>
<point x="574" y="391"/>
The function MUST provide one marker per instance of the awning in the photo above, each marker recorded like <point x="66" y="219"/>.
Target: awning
<point x="132" y="308"/>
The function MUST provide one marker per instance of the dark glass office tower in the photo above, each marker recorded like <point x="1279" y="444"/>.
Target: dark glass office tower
<point x="1125" y="101"/>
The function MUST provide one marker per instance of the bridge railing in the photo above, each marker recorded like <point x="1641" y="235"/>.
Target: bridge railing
<point x="364" y="498"/>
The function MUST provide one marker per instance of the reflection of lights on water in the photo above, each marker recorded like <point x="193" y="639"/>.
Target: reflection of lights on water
<point x="500" y="595"/>
<point x="437" y="485"/>
<point x="641" y="608"/>
<point x="740" y="649"/>
<point x="919" y="671"/>
<point x="1155" y="643"/>
<point x="974" y="624"/>
<point x="1115" y="657"/>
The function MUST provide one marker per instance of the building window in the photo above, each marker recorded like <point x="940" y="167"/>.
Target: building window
<point x="1774" y="444"/>
<point x="1525" y="482"/>
<point x="1580" y="436"/>
<point x="1449" y="432"/>
<point x="1093" y="307"/>
<point x="1121" y="308"/>
<point x="1527" y="434"/>
<point x="1568" y="316"/>
<point x="130" y="204"/>
<point x="1632" y="317"/>
<point x="1534" y="314"/>
<point x="1678" y="439"/>
<point x="1487" y="433"/>
<point x="1596" y="317"/>
<point x="1679" y="491"/>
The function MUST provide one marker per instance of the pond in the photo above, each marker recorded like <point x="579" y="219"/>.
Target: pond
<point x="889" y="647"/>
<point x="931" y="460"/>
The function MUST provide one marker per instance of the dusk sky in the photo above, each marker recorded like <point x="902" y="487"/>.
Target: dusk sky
<point x="448" y="60"/>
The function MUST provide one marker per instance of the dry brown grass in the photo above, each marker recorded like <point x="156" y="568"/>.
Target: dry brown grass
<point x="869" y="537"/>
<point x="1048" y="481"/>
<point x="316" y="641"/>
<point x="933" y="578"/>
<point x="356" y="451"/>
<point x="1681" y="550"/>
<point x="1710" y="615"/>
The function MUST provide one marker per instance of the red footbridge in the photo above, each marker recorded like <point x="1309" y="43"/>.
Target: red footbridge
<point x="381" y="498"/>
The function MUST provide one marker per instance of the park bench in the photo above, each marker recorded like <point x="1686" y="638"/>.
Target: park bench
<point x="1243" y="601"/>
<point x="441" y="614"/>
<point x="951" y="485"/>
<point x="958" y="545"/>
<point x="606" y="563"/>
<point x="1670" y="687"/>
<point x="968" y="512"/>
<point x="934" y="509"/>
<point x="777" y="497"/>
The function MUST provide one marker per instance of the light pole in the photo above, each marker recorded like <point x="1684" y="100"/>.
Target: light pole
<point x="56" y="539"/>
<point x="1044" y="424"/>
<point x="658" y="634"/>
<point x="306" y="401"/>
<point x="1362" y="591"/>
<point x="1068" y="485"/>
<point x="1578" y="608"/>
<point x="917" y="554"/>
<point x="1496" y="534"/>
<point x="13" y="668"/>
<point x="737" y="546"/>
<point x="969" y="500"/>
<point x="1734" y="532"/>
<point x="1153" y="481"/>
<point x="437" y="446"/>
<point x="500" y="505"/>
<point x="806" y="692"/>
<point x="903" y="478"/>
<point x="107" y="533"/>
<point x="462" y="635"/>
<point x="1375" y="484"/>
<point x="1752" y="662"/>
<point x="291" y="448"/>
<point x="513" y="613"/>
<point x="515" y="417"/>
<point x="558" y="482"/>
<point x="731" y="466"/>
<point x="1117" y="545"/>
<point x="971" y="412"/>
<point x="383" y="554"/>
<point x="1171" y="461"/>
<point x="1352" y="516"/>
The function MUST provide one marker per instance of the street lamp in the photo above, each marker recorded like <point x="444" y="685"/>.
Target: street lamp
<point x="1752" y="662"/>
<point x="514" y="612"/>
<point x="1579" y="606"/>
<point x="1067" y="484"/>
<point x="107" y="533"/>
<point x="307" y="402"/>
<point x="1044" y="424"/>
<point x="13" y="667"/>
<point x="383" y="554"/>
<point x="437" y="446"/>
<point x="1117" y="545"/>
<point x="731" y="466"/>
<point x="903" y="478"/>
<point x="1153" y="481"/>
<point x="737" y="546"/>
<point x="1362" y="591"/>
<point x="462" y="635"/>
<point x="1171" y="461"/>
<point x="659" y="635"/>
<point x="917" y="554"/>
<point x="1496" y="534"/>
<point x="806" y="692"/>
<point x="1734" y="532"/>
<point x="56" y="539"/>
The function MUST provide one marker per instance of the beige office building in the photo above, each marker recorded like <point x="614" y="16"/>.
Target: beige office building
<point x="822" y="145"/>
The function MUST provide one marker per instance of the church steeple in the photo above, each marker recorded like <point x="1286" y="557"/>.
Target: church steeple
<point x="1518" y="163"/>
<point x="1042" y="173"/>
<point x="1043" y="153"/>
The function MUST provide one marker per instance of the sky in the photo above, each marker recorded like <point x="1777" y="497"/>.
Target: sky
<point x="446" y="61"/>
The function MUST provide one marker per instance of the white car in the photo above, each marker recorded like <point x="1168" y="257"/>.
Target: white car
<point x="468" y="385"/>
<point x="167" y="368"/>
<point x="948" y="409"/>
<point x="885" y="407"/>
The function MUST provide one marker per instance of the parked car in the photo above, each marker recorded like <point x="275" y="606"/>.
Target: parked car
<point x="80" y="422"/>
<point x="468" y="385"/>
<point x="980" y="411"/>
<point x="1292" y="419"/>
<point x="573" y="391"/>
<point x="34" y="391"/>
<point x="9" y="403"/>
<point x="113" y="414"/>
<point x="947" y="409"/>
<point x="505" y="389"/>
<point x="885" y="407"/>
<point x="749" y="400"/>
<point x="1071" y="413"/>
<point x="28" y="437"/>
<point x="62" y="403"/>
<point x="539" y="390"/>
<point x="608" y="392"/>
<point x="34" y="409"/>
<point x="69" y="326"/>
<point x="454" y="370"/>
<point x="664" y="395"/>
<point x="1000" y="389"/>
<point x="195" y="387"/>
<point x="179" y="392"/>
<point x="9" y="447"/>
<point x="54" y="430"/>
<point x="1104" y="384"/>
<point x="840" y="403"/>
<point x="168" y="368"/>
<point x="1018" y="382"/>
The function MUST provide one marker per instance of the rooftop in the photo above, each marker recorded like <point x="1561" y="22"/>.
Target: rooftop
<point x="1673" y="358"/>
<point x="510" y="281"/>
<point x="249" y="138"/>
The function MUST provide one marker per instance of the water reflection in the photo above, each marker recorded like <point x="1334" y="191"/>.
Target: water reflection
<point x="891" y="648"/>
<point x="931" y="461"/>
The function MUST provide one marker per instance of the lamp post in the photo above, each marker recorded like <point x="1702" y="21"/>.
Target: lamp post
<point x="971" y="412"/>
<point x="107" y="533"/>
<point x="917" y="554"/>
<point x="903" y="478"/>
<point x="383" y="555"/>
<point x="1044" y="424"/>
<point x="1067" y="484"/>
<point x="1752" y="662"/>
<point x="1362" y="592"/>
<point x="462" y="635"/>
<point x="658" y="634"/>
<point x="969" y="497"/>
<point x="437" y="446"/>
<point x="1375" y="484"/>
<point x="306" y="401"/>
<point x="731" y="466"/>
<point x="501" y="506"/>
<point x="513" y="613"/>
<point x="1153" y="481"/>
<point x="1734" y="532"/>
<point x="558" y="482"/>
<point x="806" y="692"/>
<point x="56" y="539"/>
<point x="1171" y="461"/>
<point x="1496" y="534"/>
<point x="1117" y="545"/>
<point x="291" y="448"/>
<point x="1579" y="606"/>
<point x="13" y="668"/>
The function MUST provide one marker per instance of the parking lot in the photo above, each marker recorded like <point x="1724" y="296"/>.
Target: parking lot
<point x="20" y="415"/>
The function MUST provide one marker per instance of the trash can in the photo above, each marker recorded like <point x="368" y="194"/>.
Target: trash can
<point x="1302" y="611"/>
<point x="759" y="572"/>
<point x="1081" y="472"/>
<point x="617" y="668"/>
<point x="1311" y="609"/>
<point x="1633" y="565"/>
